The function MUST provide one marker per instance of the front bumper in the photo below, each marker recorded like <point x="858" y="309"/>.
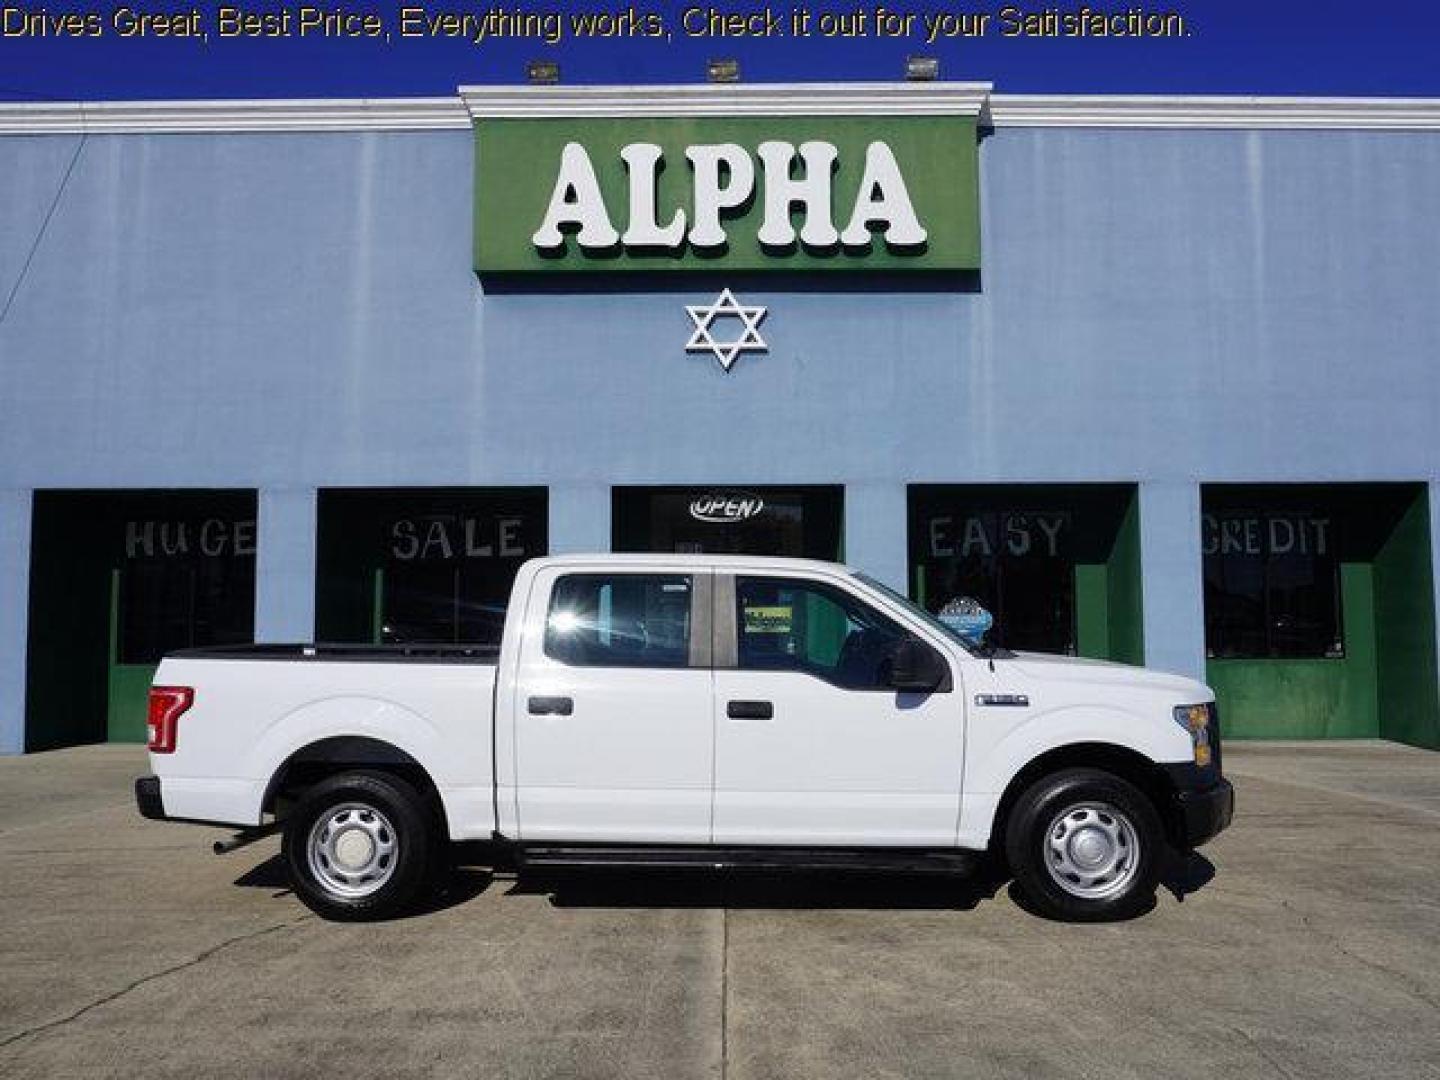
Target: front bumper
<point x="1204" y="812"/>
<point x="147" y="798"/>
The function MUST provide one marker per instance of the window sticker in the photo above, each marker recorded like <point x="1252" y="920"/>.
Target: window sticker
<point x="769" y="620"/>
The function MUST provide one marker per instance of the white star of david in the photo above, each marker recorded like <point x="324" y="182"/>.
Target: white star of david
<point x="725" y="304"/>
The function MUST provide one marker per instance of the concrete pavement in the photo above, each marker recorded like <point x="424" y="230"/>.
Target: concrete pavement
<point x="127" y="949"/>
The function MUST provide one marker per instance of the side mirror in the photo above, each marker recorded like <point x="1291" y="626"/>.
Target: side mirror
<point x="919" y="669"/>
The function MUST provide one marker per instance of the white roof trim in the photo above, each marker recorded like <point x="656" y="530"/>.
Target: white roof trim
<point x="1142" y="111"/>
<point x="756" y="99"/>
<point x="728" y="99"/>
<point x="160" y="117"/>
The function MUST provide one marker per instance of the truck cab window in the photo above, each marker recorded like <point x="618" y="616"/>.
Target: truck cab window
<point x="620" y="620"/>
<point x="787" y="624"/>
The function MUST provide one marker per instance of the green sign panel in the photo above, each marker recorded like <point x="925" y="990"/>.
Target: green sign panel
<point x="744" y="193"/>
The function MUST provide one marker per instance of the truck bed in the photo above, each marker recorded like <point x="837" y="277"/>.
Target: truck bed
<point x="255" y="706"/>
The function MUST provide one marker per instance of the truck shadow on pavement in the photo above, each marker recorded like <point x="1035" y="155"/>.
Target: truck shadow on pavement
<point x="737" y="889"/>
<point x="1187" y="873"/>
<point x="742" y="889"/>
<point x="460" y="886"/>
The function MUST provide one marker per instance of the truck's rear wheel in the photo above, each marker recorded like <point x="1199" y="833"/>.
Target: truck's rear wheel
<point x="360" y="845"/>
<point x="1085" y="846"/>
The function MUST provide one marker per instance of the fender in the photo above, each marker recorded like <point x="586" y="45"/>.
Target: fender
<point x="991" y="765"/>
<point x="368" y="717"/>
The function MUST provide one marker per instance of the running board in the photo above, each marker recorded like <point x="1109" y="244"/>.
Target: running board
<point x="906" y="860"/>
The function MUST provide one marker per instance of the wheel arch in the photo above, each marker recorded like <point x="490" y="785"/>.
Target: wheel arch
<point x="1122" y="761"/>
<point x="325" y="757"/>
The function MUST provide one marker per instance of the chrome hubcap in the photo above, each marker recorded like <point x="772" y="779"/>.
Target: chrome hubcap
<point x="1092" y="850"/>
<point x="352" y="850"/>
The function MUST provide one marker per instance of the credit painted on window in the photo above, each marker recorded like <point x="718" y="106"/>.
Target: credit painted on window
<point x="1265" y="534"/>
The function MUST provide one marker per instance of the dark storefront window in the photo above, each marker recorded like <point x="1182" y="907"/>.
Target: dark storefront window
<point x="118" y="579"/>
<point x="1272" y="584"/>
<point x="184" y="582"/>
<point x="1043" y="559"/>
<point x="1017" y="563"/>
<point x="1316" y="609"/>
<point x="424" y="566"/>
<point x="804" y="522"/>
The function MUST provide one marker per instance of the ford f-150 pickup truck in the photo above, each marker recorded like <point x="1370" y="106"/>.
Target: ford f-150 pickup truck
<point x="690" y="710"/>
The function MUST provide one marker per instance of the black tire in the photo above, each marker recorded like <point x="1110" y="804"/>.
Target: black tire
<point x="378" y="808"/>
<point x="1044" y="849"/>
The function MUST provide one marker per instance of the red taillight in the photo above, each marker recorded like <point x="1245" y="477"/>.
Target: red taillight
<point x="167" y="705"/>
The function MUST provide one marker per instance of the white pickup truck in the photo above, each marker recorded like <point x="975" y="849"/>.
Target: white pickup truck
<point x="688" y="710"/>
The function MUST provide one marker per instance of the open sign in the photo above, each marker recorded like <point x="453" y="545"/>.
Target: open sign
<point x="721" y="507"/>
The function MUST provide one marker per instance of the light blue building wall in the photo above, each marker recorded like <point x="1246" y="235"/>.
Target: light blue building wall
<point x="288" y="312"/>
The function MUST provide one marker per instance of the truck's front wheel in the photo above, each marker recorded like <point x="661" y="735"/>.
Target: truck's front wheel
<point x="359" y="845"/>
<point x="1085" y="846"/>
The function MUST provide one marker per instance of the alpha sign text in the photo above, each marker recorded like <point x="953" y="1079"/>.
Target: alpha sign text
<point x="724" y="178"/>
<point x="672" y="194"/>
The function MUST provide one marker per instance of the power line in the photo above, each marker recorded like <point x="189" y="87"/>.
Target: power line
<point x="44" y="225"/>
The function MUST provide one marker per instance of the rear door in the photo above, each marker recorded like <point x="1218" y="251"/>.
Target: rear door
<point x="614" y="739"/>
<point x="813" y="746"/>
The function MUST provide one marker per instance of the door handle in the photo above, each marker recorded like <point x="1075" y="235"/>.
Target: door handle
<point x="750" y="710"/>
<point x="551" y="706"/>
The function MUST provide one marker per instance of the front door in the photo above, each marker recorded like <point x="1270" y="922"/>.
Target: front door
<point x="813" y="745"/>
<point x="613" y="734"/>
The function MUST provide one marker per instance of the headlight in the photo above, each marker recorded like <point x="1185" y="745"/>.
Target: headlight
<point x="1195" y="719"/>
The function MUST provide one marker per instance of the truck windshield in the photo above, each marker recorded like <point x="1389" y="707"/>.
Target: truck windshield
<point x="915" y="609"/>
